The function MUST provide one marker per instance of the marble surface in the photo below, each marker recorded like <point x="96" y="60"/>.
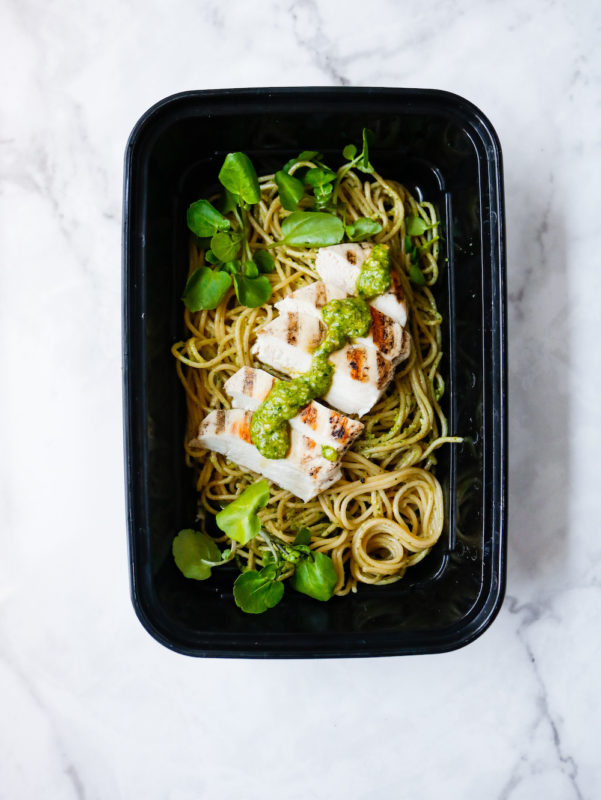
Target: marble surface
<point x="92" y="707"/>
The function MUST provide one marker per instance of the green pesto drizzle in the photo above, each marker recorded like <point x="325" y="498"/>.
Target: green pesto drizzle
<point x="346" y="319"/>
<point x="329" y="452"/>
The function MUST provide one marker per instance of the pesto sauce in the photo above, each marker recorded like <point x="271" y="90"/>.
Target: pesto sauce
<point x="346" y="319"/>
<point x="329" y="452"/>
<point x="375" y="278"/>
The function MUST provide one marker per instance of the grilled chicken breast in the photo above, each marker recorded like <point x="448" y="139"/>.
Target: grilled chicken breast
<point x="304" y="471"/>
<point x="339" y="267"/>
<point x="388" y="336"/>
<point x="361" y="373"/>
<point x="249" y="387"/>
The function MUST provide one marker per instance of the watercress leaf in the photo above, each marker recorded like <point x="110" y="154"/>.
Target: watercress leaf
<point x="415" y="226"/>
<point x="205" y="289"/>
<point x="211" y="258"/>
<point x="416" y="276"/>
<point x="227" y="202"/>
<point x="364" y="164"/>
<point x="428" y="244"/>
<point x="349" y="152"/>
<point x="251" y="270"/>
<point x="191" y="550"/>
<point x="408" y="244"/>
<point x="362" y="228"/>
<point x="225" y="554"/>
<point x="302" y="537"/>
<point x="233" y="267"/>
<point x="311" y="229"/>
<point x="226" y="245"/>
<point x="290" y="188"/>
<point x="255" y="592"/>
<point x="304" y="549"/>
<point x="317" y="176"/>
<point x="205" y="220"/>
<point x="315" y="576"/>
<point x="240" y="178"/>
<point x="264" y="261"/>
<point x="309" y="155"/>
<point x="252" y="292"/>
<point x="239" y="519"/>
<point x="322" y="196"/>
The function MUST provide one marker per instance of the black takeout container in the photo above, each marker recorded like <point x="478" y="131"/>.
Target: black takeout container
<point x="445" y="150"/>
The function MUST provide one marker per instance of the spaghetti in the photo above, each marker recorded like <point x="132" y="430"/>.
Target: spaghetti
<point x="386" y="512"/>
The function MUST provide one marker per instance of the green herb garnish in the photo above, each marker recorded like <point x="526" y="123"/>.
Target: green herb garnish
<point x="252" y="291"/>
<point x="416" y="226"/>
<point x="205" y="289"/>
<point x="264" y="261"/>
<point x="240" y="178"/>
<point x="239" y="519"/>
<point x="303" y="537"/>
<point x="290" y="188"/>
<point x="204" y="219"/>
<point x="255" y="592"/>
<point x="195" y="553"/>
<point x="315" y="575"/>
<point x="311" y="229"/>
<point x="226" y="246"/>
<point x="361" y="229"/>
<point x="416" y="276"/>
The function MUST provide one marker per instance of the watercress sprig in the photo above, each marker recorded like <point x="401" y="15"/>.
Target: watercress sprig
<point x="360" y="161"/>
<point x="239" y="519"/>
<point x="195" y="553"/>
<point x="227" y="262"/>
<point x="416" y="226"/>
<point x="255" y="591"/>
<point x="362" y="228"/>
<point x="311" y="229"/>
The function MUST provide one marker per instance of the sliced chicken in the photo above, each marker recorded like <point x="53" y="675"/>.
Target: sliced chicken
<point x="361" y="373"/>
<point x="304" y="471"/>
<point x="287" y="342"/>
<point x="386" y="335"/>
<point x="249" y="387"/>
<point x="310" y="299"/>
<point x="339" y="266"/>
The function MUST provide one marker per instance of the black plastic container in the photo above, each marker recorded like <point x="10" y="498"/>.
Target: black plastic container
<point x="443" y="148"/>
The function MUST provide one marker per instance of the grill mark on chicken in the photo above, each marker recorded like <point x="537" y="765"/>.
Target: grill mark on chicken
<point x="292" y="330"/>
<point x="321" y="294"/>
<point x="357" y="361"/>
<point x="384" y="370"/>
<point x="248" y="382"/>
<point x="308" y="415"/>
<point x="339" y="426"/>
<point x="382" y="330"/>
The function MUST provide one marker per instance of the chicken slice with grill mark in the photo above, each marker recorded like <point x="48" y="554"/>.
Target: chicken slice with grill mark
<point x="304" y="471"/>
<point x="339" y="267"/>
<point x="249" y="387"/>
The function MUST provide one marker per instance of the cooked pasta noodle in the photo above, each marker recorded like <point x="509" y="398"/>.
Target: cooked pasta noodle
<point x="386" y="513"/>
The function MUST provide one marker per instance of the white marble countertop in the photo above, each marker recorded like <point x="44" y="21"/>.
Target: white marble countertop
<point x="92" y="707"/>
